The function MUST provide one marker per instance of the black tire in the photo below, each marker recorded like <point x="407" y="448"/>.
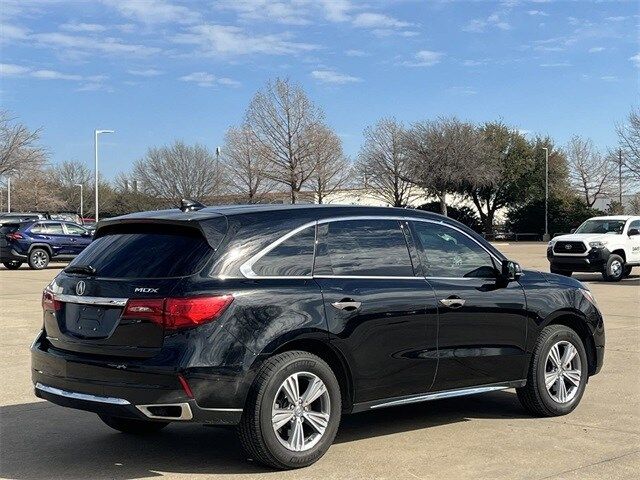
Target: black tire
<point x="12" y="265"/>
<point x="534" y="396"/>
<point x="39" y="258"/>
<point x="133" y="426"/>
<point x="565" y="273"/>
<point x="627" y="271"/>
<point x="256" y="431"/>
<point x="614" y="270"/>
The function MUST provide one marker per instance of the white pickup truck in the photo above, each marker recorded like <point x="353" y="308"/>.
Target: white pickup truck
<point x="610" y="245"/>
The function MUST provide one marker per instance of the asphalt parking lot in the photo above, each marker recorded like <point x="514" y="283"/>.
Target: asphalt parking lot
<point x="486" y="436"/>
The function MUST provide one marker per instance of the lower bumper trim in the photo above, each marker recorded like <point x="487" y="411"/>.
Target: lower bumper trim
<point x="81" y="396"/>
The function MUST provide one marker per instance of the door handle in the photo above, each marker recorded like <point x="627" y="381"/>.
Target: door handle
<point x="452" y="302"/>
<point x="347" y="304"/>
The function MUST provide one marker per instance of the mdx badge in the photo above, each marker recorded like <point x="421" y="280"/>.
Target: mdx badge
<point x="145" y="290"/>
<point x="80" y="287"/>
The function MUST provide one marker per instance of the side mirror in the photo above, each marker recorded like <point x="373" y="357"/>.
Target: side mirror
<point x="573" y="230"/>
<point x="511" y="271"/>
<point x="86" y="233"/>
<point x="633" y="231"/>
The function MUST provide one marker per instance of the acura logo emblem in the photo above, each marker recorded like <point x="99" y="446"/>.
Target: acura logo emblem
<point x="80" y="287"/>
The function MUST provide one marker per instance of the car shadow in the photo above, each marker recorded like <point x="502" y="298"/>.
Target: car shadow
<point x="633" y="279"/>
<point x="42" y="440"/>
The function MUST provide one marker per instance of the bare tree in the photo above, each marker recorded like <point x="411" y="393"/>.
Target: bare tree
<point x="19" y="149"/>
<point x="382" y="163"/>
<point x="590" y="172"/>
<point x="629" y="139"/>
<point x="445" y="155"/>
<point x="283" y="119"/>
<point x="179" y="171"/>
<point x="246" y="164"/>
<point x="331" y="167"/>
<point x="35" y="191"/>
<point x="65" y="176"/>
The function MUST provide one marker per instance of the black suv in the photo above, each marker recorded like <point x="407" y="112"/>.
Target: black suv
<point x="279" y="319"/>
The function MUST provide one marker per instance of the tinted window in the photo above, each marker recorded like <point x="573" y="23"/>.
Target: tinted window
<point x="74" y="229"/>
<point x="634" y="224"/>
<point x="450" y="253"/>
<point x="8" y="228"/>
<point x="363" y="247"/>
<point x="292" y="257"/>
<point x="172" y="253"/>
<point x="601" y="226"/>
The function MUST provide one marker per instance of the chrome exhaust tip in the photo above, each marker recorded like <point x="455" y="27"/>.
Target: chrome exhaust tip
<point x="167" y="411"/>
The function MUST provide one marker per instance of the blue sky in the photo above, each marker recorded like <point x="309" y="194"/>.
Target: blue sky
<point x="161" y="70"/>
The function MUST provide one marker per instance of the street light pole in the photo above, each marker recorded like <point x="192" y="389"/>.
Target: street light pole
<point x="81" y="201"/>
<point x="8" y="195"/>
<point x="546" y="236"/>
<point x="96" y="179"/>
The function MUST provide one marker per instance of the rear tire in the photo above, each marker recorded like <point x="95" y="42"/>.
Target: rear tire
<point x="614" y="270"/>
<point x="627" y="271"/>
<point x="270" y="404"/>
<point x="39" y="258"/>
<point x="558" y="398"/>
<point x="565" y="273"/>
<point x="12" y="265"/>
<point x="133" y="426"/>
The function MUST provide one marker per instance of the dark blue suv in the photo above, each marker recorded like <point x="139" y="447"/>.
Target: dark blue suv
<point x="37" y="242"/>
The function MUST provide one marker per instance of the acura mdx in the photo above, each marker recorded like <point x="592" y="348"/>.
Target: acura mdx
<point x="280" y="319"/>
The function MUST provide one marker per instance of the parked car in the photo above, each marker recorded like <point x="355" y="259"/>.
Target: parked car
<point x="280" y="319"/>
<point x="37" y="242"/>
<point x="66" y="216"/>
<point x="610" y="245"/>
<point x="19" y="217"/>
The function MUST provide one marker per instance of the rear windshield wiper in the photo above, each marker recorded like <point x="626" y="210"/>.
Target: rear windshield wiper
<point x="88" y="269"/>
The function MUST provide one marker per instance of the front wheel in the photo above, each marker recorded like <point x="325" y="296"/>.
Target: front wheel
<point x="12" y="264"/>
<point x="133" y="426"/>
<point x="557" y="374"/>
<point x="614" y="269"/>
<point x="293" y="411"/>
<point x="627" y="271"/>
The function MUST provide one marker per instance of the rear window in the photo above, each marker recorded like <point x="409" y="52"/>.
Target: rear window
<point x="147" y="253"/>
<point x="8" y="228"/>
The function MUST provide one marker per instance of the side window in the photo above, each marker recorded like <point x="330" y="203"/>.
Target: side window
<point x="38" y="228"/>
<point x="450" y="253"/>
<point x="74" y="229"/>
<point x="363" y="248"/>
<point x="293" y="257"/>
<point x="634" y="224"/>
<point x="53" y="229"/>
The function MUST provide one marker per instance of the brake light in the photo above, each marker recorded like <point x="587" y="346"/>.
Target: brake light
<point x="14" y="236"/>
<point x="49" y="301"/>
<point x="177" y="313"/>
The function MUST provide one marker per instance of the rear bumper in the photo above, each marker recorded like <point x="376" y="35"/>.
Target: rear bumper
<point x="594" y="261"/>
<point x="8" y="254"/>
<point x="126" y="390"/>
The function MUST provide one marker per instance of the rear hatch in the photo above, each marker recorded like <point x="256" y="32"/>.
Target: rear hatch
<point x="6" y="229"/>
<point x="139" y="265"/>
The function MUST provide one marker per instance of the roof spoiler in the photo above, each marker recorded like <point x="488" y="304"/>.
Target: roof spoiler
<point x="188" y="205"/>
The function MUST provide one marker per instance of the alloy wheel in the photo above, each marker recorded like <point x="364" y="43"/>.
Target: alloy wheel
<point x="616" y="268"/>
<point x="40" y="259"/>
<point x="563" y="372"/>
<point x="301" y="411"/>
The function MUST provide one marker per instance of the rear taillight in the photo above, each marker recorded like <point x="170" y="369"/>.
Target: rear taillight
<point x="14" y="236"/>
<point x="49" y="302"/>
<point x="177" y="313"/>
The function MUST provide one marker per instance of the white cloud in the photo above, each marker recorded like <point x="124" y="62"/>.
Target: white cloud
<point x="636" y="59"/>
<point x="53" y="75"/>
<point x="465" y="91"/>
<point x="12" y="32"/>
<point x="154" y="11"/>
<point x="148" y="72"/>
<point x="424" y="58"/>
<point x="288" y="12"/>
<point x="609" y="78"/>
<point x="230" y="40"/>
<point x="474" y="63"/>
<point x="331" y="76"/>
<point x="619" y="18"/>
<point x="205" y="79"/>
<point x="355" y="53"/>
<point x="596" y="49"/>
<point x="556" y="65"/>
<point x="377" y="20"/>
<point x="538" y="13"/>
<point x="83" y="27"/>
<point x="495" y="20"/>
<point x="12" y="70"/>
<point x="336" y="10"/>
<point x="106" y="45"/>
